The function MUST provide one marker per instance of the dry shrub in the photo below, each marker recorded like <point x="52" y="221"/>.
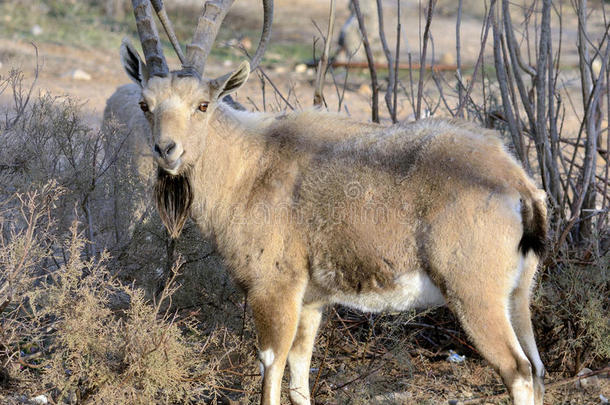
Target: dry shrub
<point x="137" y="357"/>
<point x="572" y="310"/>
<point x="75" y="322"/>
<point x="62" y="328"/>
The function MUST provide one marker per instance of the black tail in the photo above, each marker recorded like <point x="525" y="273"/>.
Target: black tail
<point x="533" y="214"/>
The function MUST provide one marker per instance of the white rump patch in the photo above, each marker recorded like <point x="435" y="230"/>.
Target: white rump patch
<point x="412" y="290"/>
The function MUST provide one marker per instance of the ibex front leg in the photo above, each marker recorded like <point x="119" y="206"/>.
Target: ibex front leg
<point x="276" y="313"/>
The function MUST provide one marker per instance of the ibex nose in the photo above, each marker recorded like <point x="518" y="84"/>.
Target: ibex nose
<point x="165" y="149"/>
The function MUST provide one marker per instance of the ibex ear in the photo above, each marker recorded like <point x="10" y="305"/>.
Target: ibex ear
<point x="230" y="82"/>
<point x="135" y="68"/>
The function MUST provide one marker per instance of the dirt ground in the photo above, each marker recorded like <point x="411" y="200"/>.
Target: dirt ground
<point x="428" y="378"/>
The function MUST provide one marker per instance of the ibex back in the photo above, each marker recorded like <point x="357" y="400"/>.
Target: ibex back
<point x="311" y="208"/>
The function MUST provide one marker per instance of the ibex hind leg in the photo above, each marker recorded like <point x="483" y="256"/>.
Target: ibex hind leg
<point x="522" y="322"/>
<point x="299" y="357"/>
<point x="486" y="319"/>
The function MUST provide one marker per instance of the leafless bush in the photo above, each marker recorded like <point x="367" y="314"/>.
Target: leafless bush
<point x="58" y="323"/>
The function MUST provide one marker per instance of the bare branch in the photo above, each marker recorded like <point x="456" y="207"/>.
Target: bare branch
<point x="397" y="59"/>
<point x="371" y="62"/>
<point x="422" y="70"/>
<point x="318" y="97"/>
<point x="477" y="65"/>
<point x="391" y="64"/>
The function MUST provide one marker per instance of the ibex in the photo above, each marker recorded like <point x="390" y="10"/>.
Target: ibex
<point x="311" y="208"/>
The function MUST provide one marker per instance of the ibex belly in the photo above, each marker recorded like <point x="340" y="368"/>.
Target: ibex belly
<point x="410" y="290"/>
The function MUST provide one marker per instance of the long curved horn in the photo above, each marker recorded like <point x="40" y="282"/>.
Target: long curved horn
<point x="167" y="26"/>
<point x="149" y="37"/>
<point x="209" y="23"/>
<point x="214" y="12"/>
<point x="265" y="35"/>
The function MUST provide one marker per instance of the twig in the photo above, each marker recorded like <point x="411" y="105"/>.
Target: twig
<point x="391" y="65"/>
<point x="503" y="82"/>
<point x="318" y="97"/>
<point x="264" y="74"/>
<point x="360" y="377"/>
<point x="422" y="71"/>
<point x="397" y="60"/>
<point x="479" y="60"/>
<point x="371" y="62"/>
<point x="277" y="91"/>
<point x="21" y="103"/>
<point x="397" y="67"/>
<point x="458" y="52"/>
<point x="492" y="398"/>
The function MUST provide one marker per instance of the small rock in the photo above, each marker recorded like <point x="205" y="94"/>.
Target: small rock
<point x="41" y="399"/>
<point x="453" y="357"/>
<point x="227" y="63"/>
<point x="603" y="399"/>
<point x="300" y="68"/>
<point x="365" y="90"/>
<point x="246" y="42"/>
<point x="447" y="59"/>
<point x="36" y="30"/>
<point x="394" y="398"/>
<point x="78" y="74"/>
<point x="587" y="383"/>
<point x="280" y="70"/>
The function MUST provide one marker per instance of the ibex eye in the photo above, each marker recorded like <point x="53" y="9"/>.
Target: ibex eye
<point x="203" y="107"/>
<point x="144" y="106"/>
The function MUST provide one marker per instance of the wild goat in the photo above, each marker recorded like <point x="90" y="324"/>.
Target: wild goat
<point x="311" y="208"/>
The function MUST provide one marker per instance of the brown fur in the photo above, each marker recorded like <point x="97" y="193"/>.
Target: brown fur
<point x="311" y="208"/>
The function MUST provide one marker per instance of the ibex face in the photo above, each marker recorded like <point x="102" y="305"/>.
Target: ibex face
<point x="179" y="108"/>
<point x="178" y="104"/>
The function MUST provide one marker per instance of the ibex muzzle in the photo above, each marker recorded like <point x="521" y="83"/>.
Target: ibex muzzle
<point x="311" y="208"/>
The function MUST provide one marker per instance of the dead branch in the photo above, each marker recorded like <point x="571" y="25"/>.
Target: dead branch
<point x="493" y="398"/>
<point x="318" y="98"/>
<point x="370" y="61"/>
<point x="397" y="59"/>
<point x="422" y="71"/>
<point x="391" y="64"/>
<point x="479" y="61"/>
<point x="400" y="66"/>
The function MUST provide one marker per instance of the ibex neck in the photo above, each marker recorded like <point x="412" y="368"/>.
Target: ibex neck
<point x="233" y="150"/>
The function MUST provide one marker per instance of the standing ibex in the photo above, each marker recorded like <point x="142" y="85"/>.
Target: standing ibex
<point x="312" y="208"/>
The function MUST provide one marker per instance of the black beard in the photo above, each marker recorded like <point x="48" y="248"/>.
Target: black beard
<point x="174" y="197"/>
